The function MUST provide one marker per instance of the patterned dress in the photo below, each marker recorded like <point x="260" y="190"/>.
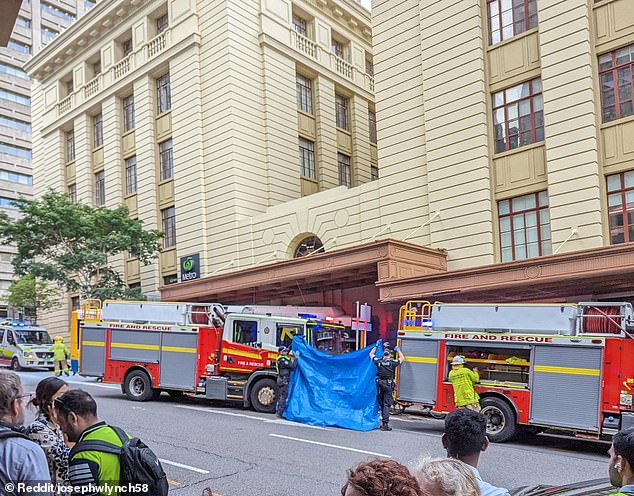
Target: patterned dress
<point x="50" y="438"/>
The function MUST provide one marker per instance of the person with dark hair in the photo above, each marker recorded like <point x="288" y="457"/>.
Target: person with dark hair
<point x="45" y="430"/>
<point x="621" y="465"/>
<point x="285" y="365"/>
<point x="76" y="412"/>
<point x="464" y="439"/>
<point x="21" y="460"/>
<point x="385" y="374"/>
<point x="380" y="478"/>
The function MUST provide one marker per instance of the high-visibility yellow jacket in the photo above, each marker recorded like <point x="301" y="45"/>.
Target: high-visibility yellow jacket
<point x="60" y="351"/>
<point x="462" y="380"/>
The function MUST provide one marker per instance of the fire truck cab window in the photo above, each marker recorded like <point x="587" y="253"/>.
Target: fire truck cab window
<point x="286" y="332"/>
<point x="508" y="366"/>
<point x="245" y="332"/>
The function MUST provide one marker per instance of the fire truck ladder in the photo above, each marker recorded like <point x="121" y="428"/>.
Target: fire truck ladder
<point x="415" y="314"/>
<point x="188" y="314"/>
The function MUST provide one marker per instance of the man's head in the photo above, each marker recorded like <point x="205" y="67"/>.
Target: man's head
<point x="12" y="398"/>
<point x="465" y="435"/>
<point x="446" y="477"/>
<point x="75" y="411"/>
<point x="283" y="350"/>
<point x="379" y="477"/>
<point x="621" y="466"/>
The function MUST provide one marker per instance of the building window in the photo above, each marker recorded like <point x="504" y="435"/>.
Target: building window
<point x="13" y="70"/>
<point x="518" y="115"/>
<point x="7" y="203"/>
<point x="307" y="246"/>
<point x="163" y="94"/>
<point x="48" y="34"/>
<point x="97" y="130"/>
<point x="372" y="124"/>
<point x="126" y="46"/>
<point x="337" y="48"/>
<point x="16" y="177"/>
<point x="70" y="145"/>
<point x="130" y="175"/>
<point x="300" y="25"/>
<point x="19" y="47"/>
<point x="17" y="151"/>
<point x="621" y="207"/>
<point x="168" y="219"/>
<point x="341" y="106"/>
<point x="128" y="113"/>
<point x="345" y="176"/>
<point x="524" y="227"/>
<point x="96" y="68"/>
<point x="162" y="23"/>
<point x="508" y="18"/>
<point x="166" y="160"/>
<point x="616" y="71"/>
<point x="69" y="87"/>
<point x="306" y="158"/>
<point x="72" y="193"/>
<point x="16" y="124"/>
<point x="304" y="94"/>
<point x="62" y="14"/>
<point x="25" y="23"/>
<point x="100" y="188"/>
<point x="369" y="67"/>
<point x="74" y="303"/>
<point x="374" y="172"/>
<point x="15" y="97"/>
<point x="171" y="279"/>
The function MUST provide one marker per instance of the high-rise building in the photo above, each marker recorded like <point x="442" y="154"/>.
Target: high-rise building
<point x="199" y="115"/>
<point x="37" y="23"/>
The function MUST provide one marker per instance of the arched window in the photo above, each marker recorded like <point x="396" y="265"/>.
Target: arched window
<point x="308" y="245"/>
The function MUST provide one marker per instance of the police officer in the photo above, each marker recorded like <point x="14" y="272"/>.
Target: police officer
<point x="285" y="364"/>
<point x="386" y="368"/>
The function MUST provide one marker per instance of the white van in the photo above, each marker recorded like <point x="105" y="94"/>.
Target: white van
<point x="25" y="347"/>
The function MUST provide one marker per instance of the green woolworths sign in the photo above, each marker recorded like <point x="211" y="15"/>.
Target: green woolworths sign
<point x="190" y="267"/>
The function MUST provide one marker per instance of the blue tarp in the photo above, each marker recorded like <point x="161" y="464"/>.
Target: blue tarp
<point x="333" y="390"/>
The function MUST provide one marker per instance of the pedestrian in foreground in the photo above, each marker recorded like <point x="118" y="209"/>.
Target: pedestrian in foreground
<point x="463" y="379"/>
<point x="21" y="460"/>
<point x="465" y="439"/>
<point x="380" y="478"/>
<point x="105" y="456"/>
<point x="285" y="365"/>
<point x="45" y="430"/>
<point x="446" y="477"/>
<point x="621" y="465"/>
<point x="386" y="371"/>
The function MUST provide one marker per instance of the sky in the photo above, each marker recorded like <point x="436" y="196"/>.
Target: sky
<point x="366" y="4"/>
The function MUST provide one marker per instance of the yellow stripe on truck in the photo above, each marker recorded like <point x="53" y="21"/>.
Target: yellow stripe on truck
<point x="93" y="343"/>
<point x="421" y="359"/>
<point x="135" y="346"/>
<point x="244" y="354"/>
<point x="179" y="349"/>
<point x="567" y="370"/>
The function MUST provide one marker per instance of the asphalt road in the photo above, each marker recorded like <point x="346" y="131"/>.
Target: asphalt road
<point x="237" y="452"/>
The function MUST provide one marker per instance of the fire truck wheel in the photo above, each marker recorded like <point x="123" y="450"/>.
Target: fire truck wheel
<point x="263" y="395"/>
<point x="15" y="364"/>
<point x="500" y="419"/>
<point x="138" y="386"/>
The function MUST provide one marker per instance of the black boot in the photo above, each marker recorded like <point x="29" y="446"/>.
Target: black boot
<point x="385" y="427"/>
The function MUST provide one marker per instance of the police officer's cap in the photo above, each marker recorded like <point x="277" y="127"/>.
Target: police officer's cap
<point x="282" y="349"/>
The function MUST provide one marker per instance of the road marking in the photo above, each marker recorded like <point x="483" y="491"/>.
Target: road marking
<point x="253" y="417"/>
<point x="93" y="384"/>
<point x="345" y="448"/>
<point x="404" y="420"/>
<point x="186" y="467"/>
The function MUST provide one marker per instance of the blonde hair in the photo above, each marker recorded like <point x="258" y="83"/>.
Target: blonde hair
<point x="451" y="477"/>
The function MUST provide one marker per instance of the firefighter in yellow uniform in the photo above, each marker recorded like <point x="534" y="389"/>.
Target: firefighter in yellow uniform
<point x="60" y="355"/>
<point x="462" y="379"/>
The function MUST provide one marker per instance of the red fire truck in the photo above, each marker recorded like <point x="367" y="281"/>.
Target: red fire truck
<point x="197" y="348"/>
<point x="542" y="366"/>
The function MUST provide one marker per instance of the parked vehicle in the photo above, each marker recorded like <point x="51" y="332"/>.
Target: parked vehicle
<point x="542" y="366"/>
<point x="196" y="348"/>
<point x="597" y="487"/>
<point x="25" y="347"/>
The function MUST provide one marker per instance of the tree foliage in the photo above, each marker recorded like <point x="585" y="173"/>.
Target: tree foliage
<point x="32" y="294"/>
<point x="71" y="244"/>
